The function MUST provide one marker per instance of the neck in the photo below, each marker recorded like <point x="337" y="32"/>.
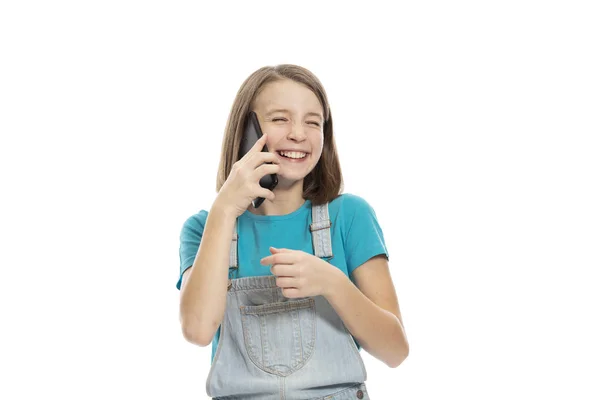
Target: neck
<point x="287" y="200"/>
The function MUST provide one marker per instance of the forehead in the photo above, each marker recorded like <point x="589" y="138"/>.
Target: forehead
<point x="289" y="95"/>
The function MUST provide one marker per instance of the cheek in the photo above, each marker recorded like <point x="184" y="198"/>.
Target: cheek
<point x="270" y="143"/>
<point x="275" y="135"/>
<point x="319" y="143"/>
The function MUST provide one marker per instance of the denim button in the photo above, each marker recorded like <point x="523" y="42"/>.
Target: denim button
<point x="359" y="394"/>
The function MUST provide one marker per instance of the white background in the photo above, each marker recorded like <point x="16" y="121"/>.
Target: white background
<point x="471" y="128"/>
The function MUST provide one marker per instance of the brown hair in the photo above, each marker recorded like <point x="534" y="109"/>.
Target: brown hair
<point x="324" y="183"/>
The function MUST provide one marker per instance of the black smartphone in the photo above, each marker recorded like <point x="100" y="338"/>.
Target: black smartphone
<point x="252" y="133"/>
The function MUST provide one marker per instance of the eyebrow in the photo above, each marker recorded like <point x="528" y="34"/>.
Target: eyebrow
<point x="287" y="111"/>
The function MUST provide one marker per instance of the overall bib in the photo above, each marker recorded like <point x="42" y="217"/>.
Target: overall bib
<point x="275" y="348"/>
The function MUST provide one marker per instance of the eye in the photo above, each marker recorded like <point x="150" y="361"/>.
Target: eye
<point x="315" y="123"/>
<point x="279" y="119"/>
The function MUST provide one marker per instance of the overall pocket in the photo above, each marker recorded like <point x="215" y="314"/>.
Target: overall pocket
<point x="280" y="337"/>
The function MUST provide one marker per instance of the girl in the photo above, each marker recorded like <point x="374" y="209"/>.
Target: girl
<point x="289" y="292"/>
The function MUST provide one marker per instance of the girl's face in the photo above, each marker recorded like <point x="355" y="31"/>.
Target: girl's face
<point x="292" y="117"/>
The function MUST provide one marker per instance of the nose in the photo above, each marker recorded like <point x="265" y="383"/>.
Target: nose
<point x="297" y="132"/>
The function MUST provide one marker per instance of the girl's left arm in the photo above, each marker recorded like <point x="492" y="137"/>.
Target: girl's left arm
<point x="370" y="310"/>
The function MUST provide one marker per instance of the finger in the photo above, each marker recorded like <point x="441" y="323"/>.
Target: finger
<point x="265" y="193"/>
<point x="263" y="157"/>
<point x="291" y="293"/>
<point x="265" y="169"/>
<point x="256" y="148"/>
<point x="283" y="270"/>
<point x="285" y="282"/>
<point x="280" y="250"/>
<point x="260" y="143"/>
<point x="279" y="258"/>
<point x="268" y="260"/>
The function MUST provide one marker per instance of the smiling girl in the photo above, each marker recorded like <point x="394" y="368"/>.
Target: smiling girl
<point x="287" y="293"/>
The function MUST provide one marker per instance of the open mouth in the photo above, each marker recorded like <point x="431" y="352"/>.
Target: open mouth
<point x="293" y="155"/>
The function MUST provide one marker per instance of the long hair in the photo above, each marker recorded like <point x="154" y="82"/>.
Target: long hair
<point x="324" y="183"/>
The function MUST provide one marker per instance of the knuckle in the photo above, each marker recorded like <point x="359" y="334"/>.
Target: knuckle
<point x="243" y="172"/>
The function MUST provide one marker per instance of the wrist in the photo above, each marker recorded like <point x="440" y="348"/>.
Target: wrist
<point x="223" y="211"/>
<point x="335" y="282"/>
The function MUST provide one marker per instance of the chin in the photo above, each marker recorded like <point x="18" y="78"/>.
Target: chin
<point x="289" y="180"/>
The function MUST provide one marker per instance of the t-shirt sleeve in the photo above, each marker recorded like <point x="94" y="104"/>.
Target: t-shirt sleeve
<point x="364" y="237"/>
<point x="189" y="242"/>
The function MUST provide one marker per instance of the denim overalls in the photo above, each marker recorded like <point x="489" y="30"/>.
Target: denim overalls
<point x="275" y="348"/>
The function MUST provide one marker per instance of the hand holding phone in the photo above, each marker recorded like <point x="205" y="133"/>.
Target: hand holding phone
<point x="253" y="176"/>
<point x="252" y="133"/>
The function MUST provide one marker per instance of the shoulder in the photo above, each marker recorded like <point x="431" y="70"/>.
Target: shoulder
<point x="348" y="205"/>
<point x="194" y="224"/>
<point x="350" y="210"/>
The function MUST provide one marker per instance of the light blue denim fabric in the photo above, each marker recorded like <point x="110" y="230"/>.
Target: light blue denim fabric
<point x="272" y="347"/>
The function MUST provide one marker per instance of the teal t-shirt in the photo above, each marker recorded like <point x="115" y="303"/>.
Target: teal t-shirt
<point x="356" y="236"/>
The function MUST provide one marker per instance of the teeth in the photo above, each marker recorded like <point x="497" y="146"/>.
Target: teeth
<point x="292" y="154"/>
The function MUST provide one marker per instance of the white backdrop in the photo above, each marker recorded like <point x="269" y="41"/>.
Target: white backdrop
<point x="471" y="128"/>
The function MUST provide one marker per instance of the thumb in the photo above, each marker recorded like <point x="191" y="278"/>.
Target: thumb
<point x="276" y="250"/>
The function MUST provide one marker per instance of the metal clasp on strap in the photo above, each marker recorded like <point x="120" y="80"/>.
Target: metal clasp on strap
<point x="229" y="276"/>
<point x="233" y="258"/>
<point x="320" y="226"/>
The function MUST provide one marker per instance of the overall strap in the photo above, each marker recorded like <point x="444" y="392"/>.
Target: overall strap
<point x="233" y="258"/>
<point x="321" y="230"/>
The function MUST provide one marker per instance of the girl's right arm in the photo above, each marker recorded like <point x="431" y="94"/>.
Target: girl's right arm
<point x="204" y="285"/>
<point x="202" y="300"/>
